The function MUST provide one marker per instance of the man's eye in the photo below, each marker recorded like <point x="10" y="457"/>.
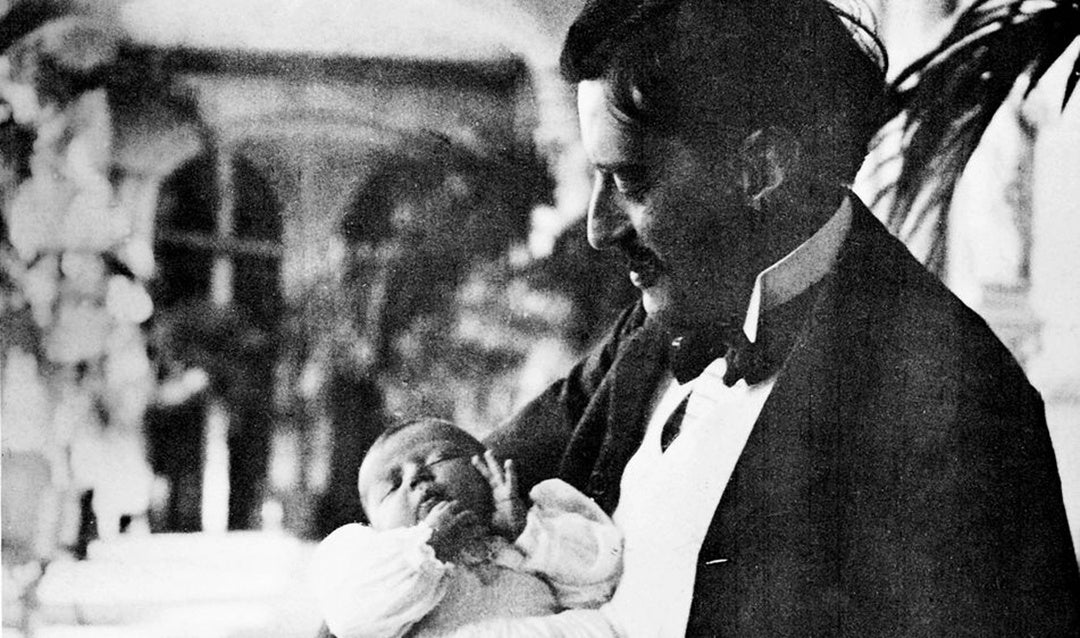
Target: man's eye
<point x="630" y="182"/>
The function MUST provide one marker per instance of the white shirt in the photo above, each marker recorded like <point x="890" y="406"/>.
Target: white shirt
<point x="667" y="499"/>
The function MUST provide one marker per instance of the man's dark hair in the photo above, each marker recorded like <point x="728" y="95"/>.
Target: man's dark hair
<point x="734" y="66"/>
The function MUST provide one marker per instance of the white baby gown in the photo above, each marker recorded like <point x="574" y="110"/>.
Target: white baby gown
<point x="388" y="584"/>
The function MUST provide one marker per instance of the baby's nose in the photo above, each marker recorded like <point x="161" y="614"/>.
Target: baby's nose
<point x="418" y="475"/>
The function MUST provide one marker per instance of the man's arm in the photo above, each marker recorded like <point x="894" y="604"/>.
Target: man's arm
<point x="536" y="437"/>
<point x="574" y="623"/>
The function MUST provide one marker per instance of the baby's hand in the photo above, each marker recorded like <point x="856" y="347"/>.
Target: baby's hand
<point x="451" y="528"/>
<point x="509" y="519"/>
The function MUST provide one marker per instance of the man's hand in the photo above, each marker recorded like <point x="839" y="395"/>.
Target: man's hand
<point x="509" y="519"/>
<point x="451" y="529"/>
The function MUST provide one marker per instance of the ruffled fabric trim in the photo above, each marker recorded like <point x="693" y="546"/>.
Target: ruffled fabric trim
<point x="572" y="543"/>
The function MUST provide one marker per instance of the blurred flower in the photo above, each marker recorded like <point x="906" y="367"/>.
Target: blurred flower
<point x="36" y="214"/>
<point x="178" y="389"/>
<point x="64" y="57"/>
<point x="40" y="285"/>
<point x="129" y="378"/>
<point x="92" y="222"/>
<point x="546" y="224"/>
<point x="84" y="273"/>
<point x="79" y="332"/>
<point x="127" y="300"/>
<point x="25" y="403"/>
<point x="138" y="255"/>
<point x="21" y="99"/>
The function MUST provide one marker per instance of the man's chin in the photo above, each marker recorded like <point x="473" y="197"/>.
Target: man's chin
<point x="655" y="303"/>
<point x="676" y="320"/>
<point x="662" y="309"/>
<point x="670" y="322"/>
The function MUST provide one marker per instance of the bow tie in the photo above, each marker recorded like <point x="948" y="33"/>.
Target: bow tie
<point x="690" y="353"/>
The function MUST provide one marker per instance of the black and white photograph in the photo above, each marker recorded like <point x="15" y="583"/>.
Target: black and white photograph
<point x="540" y="318"/>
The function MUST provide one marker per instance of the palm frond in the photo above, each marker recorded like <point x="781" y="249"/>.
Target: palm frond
<point x="946" y="99"/>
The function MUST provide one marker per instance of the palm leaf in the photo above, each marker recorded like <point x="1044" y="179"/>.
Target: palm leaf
<point x="945" y="100"/>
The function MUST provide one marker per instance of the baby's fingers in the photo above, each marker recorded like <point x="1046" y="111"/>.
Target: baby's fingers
<point x="484" y="470"/>
<point x="437" y="511"/>
<point x="493" y="467"/>
<point x="442" y="513"/>
<point x="465" y="518"/>
<point x="510" y="474"/>
<point x="490" y="470"/>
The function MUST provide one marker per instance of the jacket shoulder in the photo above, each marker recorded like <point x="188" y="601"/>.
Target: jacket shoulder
<point x="920" y="330"/>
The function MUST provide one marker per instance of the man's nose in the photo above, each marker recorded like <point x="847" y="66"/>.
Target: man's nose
<point x="607" y="221"/>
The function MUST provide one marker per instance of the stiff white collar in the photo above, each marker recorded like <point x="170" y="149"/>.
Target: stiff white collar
<point x="799" y="269"/>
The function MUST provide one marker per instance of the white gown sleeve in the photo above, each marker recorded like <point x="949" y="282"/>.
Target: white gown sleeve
<point x="571" y="543"/>
<point x="376" y="584"/>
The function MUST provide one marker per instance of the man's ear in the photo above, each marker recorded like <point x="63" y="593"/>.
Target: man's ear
<point x="768" y="158"/>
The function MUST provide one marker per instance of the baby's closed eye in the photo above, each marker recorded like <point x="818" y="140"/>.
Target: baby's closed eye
<point x="388" y="485"/>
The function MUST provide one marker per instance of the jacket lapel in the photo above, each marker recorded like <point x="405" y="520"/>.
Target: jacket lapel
<point x="780" y="523"/>
<point x="613" y="425"/>
<point x="797" y="438"/>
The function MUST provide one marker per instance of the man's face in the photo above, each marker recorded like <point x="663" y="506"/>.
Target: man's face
<point x="675" y="212"/>
<point x="407" y="474"/>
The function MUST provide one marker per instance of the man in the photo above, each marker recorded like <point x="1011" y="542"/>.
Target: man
<point x="867" y="459"/>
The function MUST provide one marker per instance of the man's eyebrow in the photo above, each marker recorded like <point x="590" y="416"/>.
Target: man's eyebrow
<point x="616" y="167"/>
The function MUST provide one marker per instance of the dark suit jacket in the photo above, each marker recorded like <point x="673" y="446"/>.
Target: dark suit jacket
<point x="900" y="480"/>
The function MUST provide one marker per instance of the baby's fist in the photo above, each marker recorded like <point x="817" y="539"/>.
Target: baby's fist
<point x="451" y="528"/>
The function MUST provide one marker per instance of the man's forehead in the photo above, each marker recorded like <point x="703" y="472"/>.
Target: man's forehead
<point x="609" y="136"/>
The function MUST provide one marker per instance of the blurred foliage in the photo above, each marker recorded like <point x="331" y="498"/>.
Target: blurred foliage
<point x="75" y="257"/>
<point x="434" y="311"/>
<point x="432" y="218"/>
<point x="943" y="103"/>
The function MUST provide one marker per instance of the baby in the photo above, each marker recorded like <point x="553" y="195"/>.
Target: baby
<point x="437" y="558"/>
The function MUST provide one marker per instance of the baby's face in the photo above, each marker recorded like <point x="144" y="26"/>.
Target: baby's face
<point x="406" y="475"/>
